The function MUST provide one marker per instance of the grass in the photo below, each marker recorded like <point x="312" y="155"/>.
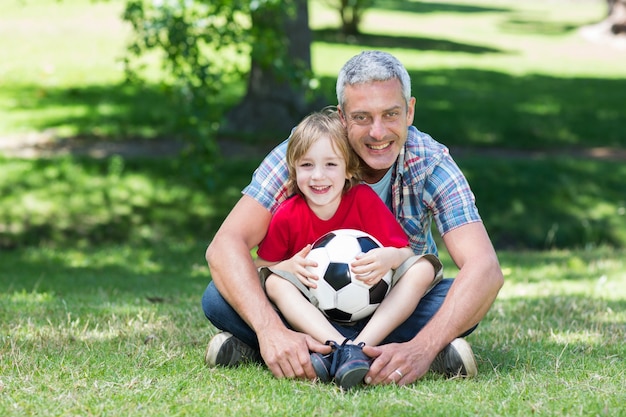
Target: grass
<point x="485" y="72"/>
<point x="117" y="330"/>
<point x="526" y="203"/>
<point x="61" y="72"/>
<point x="103" y="260"/>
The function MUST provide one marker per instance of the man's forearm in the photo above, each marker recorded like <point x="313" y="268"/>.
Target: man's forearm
<point x="236" y="278"/>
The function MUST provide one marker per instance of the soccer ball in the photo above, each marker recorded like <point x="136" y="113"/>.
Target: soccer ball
<point x="341" y="296"/>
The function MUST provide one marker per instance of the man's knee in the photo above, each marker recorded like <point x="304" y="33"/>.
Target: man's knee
<point x="213" y="304"/>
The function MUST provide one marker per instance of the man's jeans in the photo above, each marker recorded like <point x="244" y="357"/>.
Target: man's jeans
<point x="225" y="318"/>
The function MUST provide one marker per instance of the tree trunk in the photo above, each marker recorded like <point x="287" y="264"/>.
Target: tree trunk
<point x="617" y="16"/>
<point x="273" y="105"/>
<point x="612" y="30"/>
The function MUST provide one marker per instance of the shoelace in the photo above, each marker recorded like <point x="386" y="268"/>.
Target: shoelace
<point x="336" y="347"/>
<point x="337" y="353"/>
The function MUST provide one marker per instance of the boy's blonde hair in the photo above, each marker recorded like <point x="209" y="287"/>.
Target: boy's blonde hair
<point x="323" y="123"/>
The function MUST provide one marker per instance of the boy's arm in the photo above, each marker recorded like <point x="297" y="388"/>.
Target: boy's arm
<point x="297" y="265"/>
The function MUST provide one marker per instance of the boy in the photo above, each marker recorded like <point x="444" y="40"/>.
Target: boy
<point x="324" y="176"/>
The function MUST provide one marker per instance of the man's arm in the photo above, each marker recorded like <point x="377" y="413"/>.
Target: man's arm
<point x="469" y="298"/>
<point x="285" y="352"/>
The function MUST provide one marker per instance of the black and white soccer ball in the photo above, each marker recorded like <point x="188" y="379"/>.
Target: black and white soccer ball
<point x="341" y="296"/>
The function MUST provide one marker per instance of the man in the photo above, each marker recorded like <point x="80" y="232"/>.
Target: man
<point x="418" y="180"/>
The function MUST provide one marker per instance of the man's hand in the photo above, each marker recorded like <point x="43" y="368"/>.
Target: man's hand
<point x="287" y="353"/>
<point x="397" y="363"/>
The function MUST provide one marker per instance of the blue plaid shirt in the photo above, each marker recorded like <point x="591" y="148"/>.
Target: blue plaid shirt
<point x="426" y="184"/>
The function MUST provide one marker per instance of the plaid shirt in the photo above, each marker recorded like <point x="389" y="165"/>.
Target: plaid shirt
<point x="426" y="184"/>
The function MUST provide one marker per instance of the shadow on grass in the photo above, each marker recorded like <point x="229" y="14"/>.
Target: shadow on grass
<point x="98" y="111"/>
<point x="105" y="112"/>
<point x="486" y="108"/>
<point x="512" y="20"/>
<point x="404" y="42"/>
<point x="549" y="202"/>
<point x="459" y="107"/>
<point x="157" y="273"/>
<point x="489" y="109"/>
<point x="424" y="7"/>
<point x="525" y="26"/>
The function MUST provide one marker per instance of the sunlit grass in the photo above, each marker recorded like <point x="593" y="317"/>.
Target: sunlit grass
<point x="485" y="73"/>
<point x="118" y="329"/>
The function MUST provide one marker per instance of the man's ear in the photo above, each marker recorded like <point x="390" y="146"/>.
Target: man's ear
<point x="341" y="117"/>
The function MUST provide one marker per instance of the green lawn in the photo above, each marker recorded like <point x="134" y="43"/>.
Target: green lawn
<point x="61" y="72"/>
<point x="118" y="330"/>
<point x="486" y="73"/>
<point x="103" y="259"/>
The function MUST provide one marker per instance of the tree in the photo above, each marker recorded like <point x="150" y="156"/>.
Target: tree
<point x="202" y="43"/>
<point x="616" y="16"/>
<point x="280" y="70"/>
<point x="612" y="28"/>
<point x="351" y="13"/>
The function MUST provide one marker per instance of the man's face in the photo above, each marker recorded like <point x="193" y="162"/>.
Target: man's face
<point x="376" y="117"/>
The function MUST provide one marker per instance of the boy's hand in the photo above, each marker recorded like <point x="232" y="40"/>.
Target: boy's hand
<point x="298" y="264"/>
<point x="372" y="266"/>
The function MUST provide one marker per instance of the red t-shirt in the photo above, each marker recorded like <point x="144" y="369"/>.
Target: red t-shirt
<point x="294" y="225"/>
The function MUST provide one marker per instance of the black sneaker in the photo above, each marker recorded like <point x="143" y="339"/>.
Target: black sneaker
<point x="456" y="360"/>
<point x="323" y="364"/>
<point x="226" y="350"/>
<point x="352" y="365"/>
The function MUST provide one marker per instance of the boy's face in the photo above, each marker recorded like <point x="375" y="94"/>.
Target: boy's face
<point x="377" y="117"/>
<point x="321" y="176"/>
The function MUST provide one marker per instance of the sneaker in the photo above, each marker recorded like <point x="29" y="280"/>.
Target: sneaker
<point x="226" y="350"/>
<point x="352" y="365"/>
<point x="323" y="364"/>
<point x="456" y="360"/>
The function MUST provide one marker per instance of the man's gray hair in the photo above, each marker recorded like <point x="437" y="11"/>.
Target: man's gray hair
<point x="371" y="66"/>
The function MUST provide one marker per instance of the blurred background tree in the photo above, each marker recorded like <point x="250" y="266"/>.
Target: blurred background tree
<point x="205" y="45"/>
<point x="617" y="15"/>
<point x="351" y="13"/>
<point x="280" y="75"/>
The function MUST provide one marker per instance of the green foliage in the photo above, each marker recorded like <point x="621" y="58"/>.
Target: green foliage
<point x="195" y="39"/>
<point x="72" y="201"/>
<point x="203" y="46"/>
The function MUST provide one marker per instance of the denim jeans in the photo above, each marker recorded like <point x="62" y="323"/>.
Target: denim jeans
<point x="225" y="318"/>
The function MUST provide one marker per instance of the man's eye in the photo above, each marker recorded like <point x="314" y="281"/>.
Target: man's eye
<point x="360" y="119"/>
